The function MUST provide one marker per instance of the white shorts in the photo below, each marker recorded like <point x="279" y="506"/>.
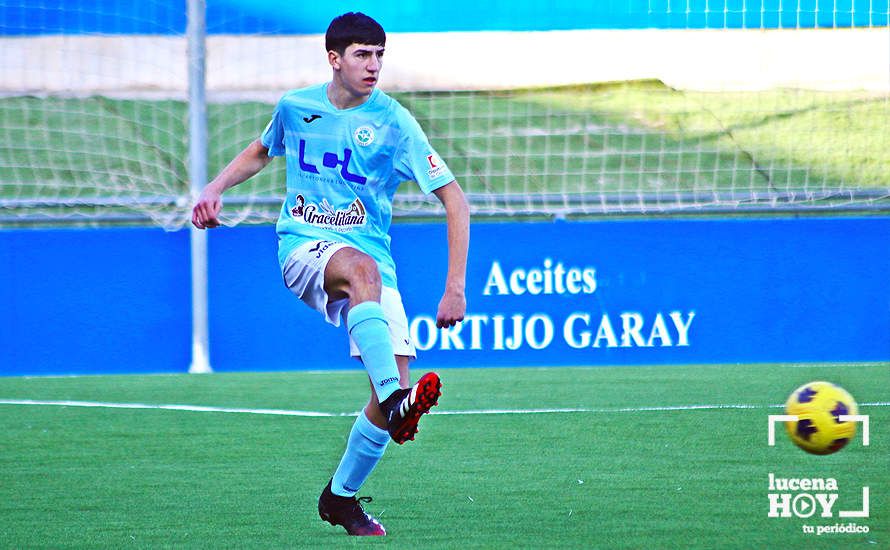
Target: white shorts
<point x="303" y="273"/>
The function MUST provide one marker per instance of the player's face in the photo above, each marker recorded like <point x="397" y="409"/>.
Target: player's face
<point x="358" y="68"/>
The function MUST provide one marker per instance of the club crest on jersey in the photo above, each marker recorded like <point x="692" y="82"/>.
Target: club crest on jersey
<point x="364" y="135"/>
<point x="325" y="216"/>
<point x="437" y="167"/>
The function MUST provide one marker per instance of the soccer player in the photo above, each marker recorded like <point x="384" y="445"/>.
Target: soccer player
<point x="348" y="146"/>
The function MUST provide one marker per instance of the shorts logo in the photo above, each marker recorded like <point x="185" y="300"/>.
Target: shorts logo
<point x="437" y="167"/>
<point x="364" y="136"/>
<point x="324" y="215"/>
<point x="321" y="247"/>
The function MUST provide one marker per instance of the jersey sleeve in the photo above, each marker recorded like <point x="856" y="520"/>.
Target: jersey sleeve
<point x="417" y="160"/>
<point x="273" y="135"/>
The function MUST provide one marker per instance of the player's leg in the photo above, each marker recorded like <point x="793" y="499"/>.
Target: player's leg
<point x="370" y="433"/>
<point x="337" y="503"/>
<point x="303" y="273"/>
<point x="372" y="429"/>
<point x="401" y="411"/>
<point x="366" y="443"/>
<point x="351" y="287"/>
<point x="378" y="329"/>
<point x="354" y="275"/>
<point x="365" y="447"/>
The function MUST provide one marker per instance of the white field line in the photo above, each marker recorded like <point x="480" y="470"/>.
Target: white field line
<point x="285" y="412"/>
<point x="190" y="408"/>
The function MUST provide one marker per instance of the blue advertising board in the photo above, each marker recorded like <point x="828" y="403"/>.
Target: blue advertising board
<point x="672" y="292"/>
<point x="626" y="292"/>
<point x="94" y="301"/>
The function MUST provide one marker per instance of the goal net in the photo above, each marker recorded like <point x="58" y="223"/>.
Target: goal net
<point x="589" y="109"/>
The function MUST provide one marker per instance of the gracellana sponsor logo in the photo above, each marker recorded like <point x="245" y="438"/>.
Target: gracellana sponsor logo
<point x="326" y="216"/>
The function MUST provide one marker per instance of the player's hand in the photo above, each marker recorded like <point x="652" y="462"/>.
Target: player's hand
<point x="452" y="308"/>
<point x="206" y="211"/>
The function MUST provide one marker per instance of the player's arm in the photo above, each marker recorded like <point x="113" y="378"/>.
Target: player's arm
<point x="251" y="160"/>
<point x="453" y="304"/>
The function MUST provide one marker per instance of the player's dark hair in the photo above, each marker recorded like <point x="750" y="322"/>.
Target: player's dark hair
<point x="353" y="28"/>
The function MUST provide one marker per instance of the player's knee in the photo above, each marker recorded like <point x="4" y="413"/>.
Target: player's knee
<point x="365" y="278"/>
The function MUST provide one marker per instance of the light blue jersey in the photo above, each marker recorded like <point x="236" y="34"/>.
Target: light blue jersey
<point x="343" y="168"/>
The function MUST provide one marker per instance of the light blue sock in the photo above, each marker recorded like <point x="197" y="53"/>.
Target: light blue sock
<point x="364" y="449"/>
<point x="367" y="326"/>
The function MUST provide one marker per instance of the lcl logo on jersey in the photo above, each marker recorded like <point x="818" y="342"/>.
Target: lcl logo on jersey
<point x="331" y="160"/>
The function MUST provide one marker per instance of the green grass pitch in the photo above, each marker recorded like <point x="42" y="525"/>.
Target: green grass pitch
<point x="637" y="467"/>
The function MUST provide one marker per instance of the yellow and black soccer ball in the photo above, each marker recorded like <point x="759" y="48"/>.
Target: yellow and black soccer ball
<point x="819" y="407"/>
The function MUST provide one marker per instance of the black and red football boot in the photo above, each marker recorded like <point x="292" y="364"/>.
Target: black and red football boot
<point x="348" y="513"/>
<point x="404" y="407"/>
